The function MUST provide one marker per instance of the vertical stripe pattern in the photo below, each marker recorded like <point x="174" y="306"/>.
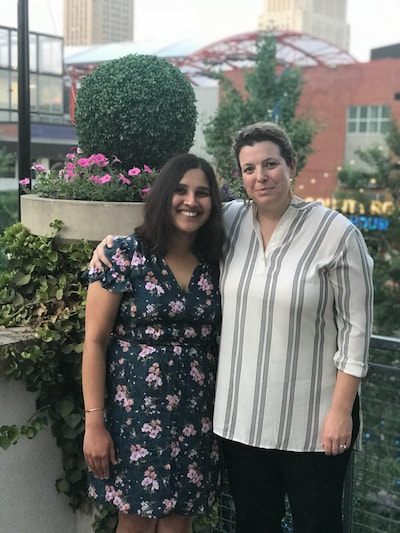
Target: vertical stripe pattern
<point x="293" y="314"/>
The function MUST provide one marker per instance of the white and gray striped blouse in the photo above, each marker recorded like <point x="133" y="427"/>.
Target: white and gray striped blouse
<point x="293" y="314"/>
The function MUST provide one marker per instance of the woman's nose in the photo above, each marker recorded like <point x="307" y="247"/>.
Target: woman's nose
<point x="190" y="199"/>
<point x="260" y="174"/>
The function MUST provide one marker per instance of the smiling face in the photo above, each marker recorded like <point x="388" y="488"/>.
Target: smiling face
<point x="191" y="202"/>
<point x="266" y="176"/>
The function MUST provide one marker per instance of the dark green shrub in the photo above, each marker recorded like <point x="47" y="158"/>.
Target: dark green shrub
<point x="139" y="108"/>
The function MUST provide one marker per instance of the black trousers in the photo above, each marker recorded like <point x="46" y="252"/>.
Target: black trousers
<point x="313" y="482"/>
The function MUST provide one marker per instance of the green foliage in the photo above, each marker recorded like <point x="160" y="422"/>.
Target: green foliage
<point x="270" y="97"/>
<point x="8" y="208"/>
<point x="384" y="246"/>
<point x="139" y="107"/>
<point x="7" y="161"/>
<point x="44" y="289"/>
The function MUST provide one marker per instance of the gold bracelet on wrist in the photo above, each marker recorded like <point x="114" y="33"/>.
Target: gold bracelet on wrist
<point x="94" y="409"/>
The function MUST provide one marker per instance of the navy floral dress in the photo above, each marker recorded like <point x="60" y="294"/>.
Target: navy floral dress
<point x="161" y="365"/>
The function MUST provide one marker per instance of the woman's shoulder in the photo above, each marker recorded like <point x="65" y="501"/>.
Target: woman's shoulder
<point x="126" y="247"/>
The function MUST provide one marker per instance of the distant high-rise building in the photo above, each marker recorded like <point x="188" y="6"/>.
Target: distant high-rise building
<point x="97" y="21"/>
<point x="321" y="18"/>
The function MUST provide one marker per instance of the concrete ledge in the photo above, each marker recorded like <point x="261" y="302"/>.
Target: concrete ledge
<point x="16" y="334"/>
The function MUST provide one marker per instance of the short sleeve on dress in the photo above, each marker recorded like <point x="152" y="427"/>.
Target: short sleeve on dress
<point x="127" y="259"/>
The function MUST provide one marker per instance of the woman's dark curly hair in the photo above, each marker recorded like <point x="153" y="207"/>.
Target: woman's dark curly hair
<point x="157" y="229"/>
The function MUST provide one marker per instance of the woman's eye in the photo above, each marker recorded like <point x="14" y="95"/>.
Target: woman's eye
<point x="180" y="190"/>
<point x="203" y="194"/>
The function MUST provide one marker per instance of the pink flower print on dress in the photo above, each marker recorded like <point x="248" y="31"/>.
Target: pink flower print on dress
<point x="114" y="496"/>
<point x="153" y="378"/>
<point x="169" y="505"/>
<point x="125" y="345"/>
<point x="137" y="452"/>
<point x="178" y="350"/>
<point x="195" y="477"/>
<point x="122" y="397"/>
<point x="155" y="333"/>
<point x="119" y="259"/>
<point x="176" y="307"/>
<point x="190" y="333"/>
<point x="206" y="424"/>
<point x="214" y="455"/>
<point x="153" y="429"/>
<point x="189" y="430"/>
<point x="205" y="285"/>
<point x="137" y="259"/>
<point x="175" y="449"/>
<point x="146" y="350"/>
<point x="196" y="373"/>
<point x="92" y="492"/>
<point x="150" y="479"/>
<point x="206" y="330"/>
<point x="152" y="284"/>
<point x="173" y="400"/>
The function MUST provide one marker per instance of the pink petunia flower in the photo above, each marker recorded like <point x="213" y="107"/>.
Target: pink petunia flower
<point x="39" y="168"/>
<point x="134" y="171"/>
<point x="124" y="179"/>
<point x="83" y="162"/>
<point x="116" y="160"/>
<point x="147" y="169"/>
<point x="98" y="159"/>
<point x="144" y="192"/>
<point x="25" y="181"/>
<point x="105" y="179"/>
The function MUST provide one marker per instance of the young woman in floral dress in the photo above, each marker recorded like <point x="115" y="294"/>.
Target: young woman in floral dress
<point x="149" y="358"/>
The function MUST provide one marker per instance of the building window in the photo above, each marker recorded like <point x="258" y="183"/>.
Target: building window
<point x="368" y="119"/>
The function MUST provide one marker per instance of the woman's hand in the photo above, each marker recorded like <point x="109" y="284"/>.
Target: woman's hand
<point x="98" y="449"/>
<point x="336" y="432"/>
<point x="98" y="258"/>
<point x="338" y="424"/>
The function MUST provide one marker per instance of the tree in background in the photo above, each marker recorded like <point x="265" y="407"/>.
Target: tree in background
<point x="384" y="244"/>
<point x="270" y="97"/>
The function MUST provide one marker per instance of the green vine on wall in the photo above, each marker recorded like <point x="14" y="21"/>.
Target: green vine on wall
<point x="43" y="288"/>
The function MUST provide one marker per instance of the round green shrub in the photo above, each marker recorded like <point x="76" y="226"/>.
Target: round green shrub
<point x="139" y="108"/>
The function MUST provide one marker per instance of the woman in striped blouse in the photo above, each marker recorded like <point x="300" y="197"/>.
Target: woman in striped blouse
<point x="296" y="286"/>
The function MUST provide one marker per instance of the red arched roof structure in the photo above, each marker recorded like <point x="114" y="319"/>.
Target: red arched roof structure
<point x="293" y="48"/>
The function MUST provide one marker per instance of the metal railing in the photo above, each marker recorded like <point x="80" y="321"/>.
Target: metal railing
<point x="371" y="501"/>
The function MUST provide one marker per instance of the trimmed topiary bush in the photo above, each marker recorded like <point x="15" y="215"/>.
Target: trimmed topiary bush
<point x="139" y="108"/>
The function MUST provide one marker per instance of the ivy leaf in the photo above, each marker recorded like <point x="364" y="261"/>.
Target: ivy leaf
<point x="64" y="407"/>
<point x="73" y="420"/>
<point x="21" y="278"/>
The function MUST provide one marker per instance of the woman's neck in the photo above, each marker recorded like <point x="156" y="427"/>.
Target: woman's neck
<point x="274" y="214"/>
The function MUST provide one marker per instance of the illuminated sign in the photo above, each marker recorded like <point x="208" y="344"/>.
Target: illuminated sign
<point x="351" y="206"/>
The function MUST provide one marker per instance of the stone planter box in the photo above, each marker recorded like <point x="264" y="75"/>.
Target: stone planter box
<point x="82" y="219"/>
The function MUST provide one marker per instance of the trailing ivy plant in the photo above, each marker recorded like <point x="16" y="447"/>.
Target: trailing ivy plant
<point x="43" y="288"/>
